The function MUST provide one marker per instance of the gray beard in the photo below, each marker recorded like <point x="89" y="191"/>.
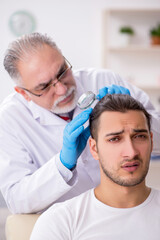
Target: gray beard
<point x="60" y="110"/>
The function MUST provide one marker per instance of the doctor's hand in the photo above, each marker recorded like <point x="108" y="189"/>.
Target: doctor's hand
<point x="75" y="139"/>
<point x="113" y="89"/>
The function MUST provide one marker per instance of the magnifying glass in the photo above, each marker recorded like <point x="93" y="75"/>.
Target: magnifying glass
<point x="86" y="100"/>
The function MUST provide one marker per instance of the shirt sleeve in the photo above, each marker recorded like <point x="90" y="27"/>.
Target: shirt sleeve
<point x="68" y="175"/>
<point x="34" y="190"/>
<point x="26" y="187"/>
<point x="30" y="180"/>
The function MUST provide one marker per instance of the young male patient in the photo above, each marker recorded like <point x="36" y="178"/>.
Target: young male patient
<point x="121" y="206"/>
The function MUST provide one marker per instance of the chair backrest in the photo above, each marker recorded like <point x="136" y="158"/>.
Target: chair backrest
<point x="19" y="226"/>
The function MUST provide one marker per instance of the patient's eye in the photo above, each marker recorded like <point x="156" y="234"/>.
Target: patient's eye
<point x="141" y="137"/>
<point x="114" y="139"/>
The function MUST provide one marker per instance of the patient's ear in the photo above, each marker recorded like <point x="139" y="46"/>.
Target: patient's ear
<point x="22" y="92"/>
<point x="93" y="148"/>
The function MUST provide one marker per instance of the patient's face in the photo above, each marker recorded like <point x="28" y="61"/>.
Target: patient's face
<point x="123" y="147"/>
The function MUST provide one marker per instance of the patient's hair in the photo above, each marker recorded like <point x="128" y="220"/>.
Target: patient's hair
<point x="24" y="46"/>
<point x="115" y="103"/>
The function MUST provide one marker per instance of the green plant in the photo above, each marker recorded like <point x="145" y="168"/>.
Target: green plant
<point x="126" y="30"/>
<point x="155" y="31"/>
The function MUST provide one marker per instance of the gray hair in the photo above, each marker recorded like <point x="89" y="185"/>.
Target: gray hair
<point x="23" y="47"/>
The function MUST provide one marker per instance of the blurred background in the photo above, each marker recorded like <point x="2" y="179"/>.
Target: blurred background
<point x="122" y="35"/>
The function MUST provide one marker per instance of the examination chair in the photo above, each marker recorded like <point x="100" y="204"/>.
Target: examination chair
<point x="19" y="226"/>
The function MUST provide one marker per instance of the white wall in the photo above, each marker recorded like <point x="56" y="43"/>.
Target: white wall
<point x="75" y="25"/>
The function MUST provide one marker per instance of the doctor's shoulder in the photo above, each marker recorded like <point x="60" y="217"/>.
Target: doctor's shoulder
<point x="13" y="106"/>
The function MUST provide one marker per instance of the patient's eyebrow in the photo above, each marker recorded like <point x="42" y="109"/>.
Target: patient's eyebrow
<point x="140" y="130"/>
<point x="114" y="133"/>
<point x="120" y="132"/>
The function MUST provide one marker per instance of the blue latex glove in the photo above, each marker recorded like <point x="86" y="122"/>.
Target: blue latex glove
<point x="75" y="139"/>
<point x="113" y="89"/>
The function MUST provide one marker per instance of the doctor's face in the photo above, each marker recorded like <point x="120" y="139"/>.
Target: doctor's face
<point x="47" y="80"/>
<point x="123" y="147"/>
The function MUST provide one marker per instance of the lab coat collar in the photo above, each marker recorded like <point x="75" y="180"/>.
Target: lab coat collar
<point x="43" y="116"/>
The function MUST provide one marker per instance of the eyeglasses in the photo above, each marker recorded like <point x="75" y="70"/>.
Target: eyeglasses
<point x="59" y="78"/>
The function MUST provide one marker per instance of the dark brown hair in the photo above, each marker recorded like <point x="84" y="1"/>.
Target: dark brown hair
<point x="115" y="103"/>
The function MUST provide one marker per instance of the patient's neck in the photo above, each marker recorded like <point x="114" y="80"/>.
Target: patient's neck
<point x="118" y="196"/>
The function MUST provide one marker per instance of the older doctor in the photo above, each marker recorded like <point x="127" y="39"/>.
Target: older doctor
<point x="43" y="159"/>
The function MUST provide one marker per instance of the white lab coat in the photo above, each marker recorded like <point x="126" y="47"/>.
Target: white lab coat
<point x="31" y="174"/>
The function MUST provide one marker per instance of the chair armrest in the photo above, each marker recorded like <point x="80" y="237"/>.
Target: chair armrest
<point x="19" y="226"/>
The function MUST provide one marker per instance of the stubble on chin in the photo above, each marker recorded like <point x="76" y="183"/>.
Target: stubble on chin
<point x="128" y="181"/>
